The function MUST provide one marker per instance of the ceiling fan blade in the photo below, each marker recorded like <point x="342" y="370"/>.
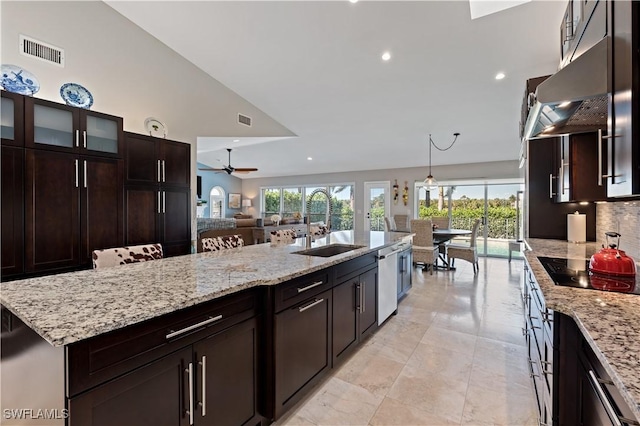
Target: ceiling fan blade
<point x="211" y="169"/>
<point x="245" y="169"/>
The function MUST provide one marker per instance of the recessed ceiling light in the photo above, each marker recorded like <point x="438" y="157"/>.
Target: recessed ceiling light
<point x="386" y="56"/>
<point x="353" y="1"/>
<point x="500" y="76"/>
<point x="236" y="140"/>
<point x="310" y="158"/>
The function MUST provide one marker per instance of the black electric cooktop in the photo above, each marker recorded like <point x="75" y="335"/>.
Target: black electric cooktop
<point x="575" y="273"/>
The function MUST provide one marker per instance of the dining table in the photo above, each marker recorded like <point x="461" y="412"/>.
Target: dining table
<point x="440" y="237"/>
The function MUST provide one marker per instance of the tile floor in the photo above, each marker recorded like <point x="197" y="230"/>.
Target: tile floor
<point x="454" y="354"/>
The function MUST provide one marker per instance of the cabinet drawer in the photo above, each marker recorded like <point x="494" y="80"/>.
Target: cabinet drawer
<point x="104" y="357"/>
<point x="295" y="291"/>
<point x="355" y="266"/>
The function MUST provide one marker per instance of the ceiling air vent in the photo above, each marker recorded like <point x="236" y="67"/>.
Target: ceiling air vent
<point x="40" y="50"/>
<point x="243" y="119"/>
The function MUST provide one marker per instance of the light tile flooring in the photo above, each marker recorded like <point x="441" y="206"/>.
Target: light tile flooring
<point x="454" y="354"/>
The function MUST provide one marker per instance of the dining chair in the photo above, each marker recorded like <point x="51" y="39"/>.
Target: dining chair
<point x="390" y="224"/>
<point x="468" y="253"/>
<point x="440" y="222"/>
<point x="283" y="236"/>
<point x="424" y="250"/>
<point x="402" y="222"/>
<point x="222" y="242"/>
<point x="124" y="255"/>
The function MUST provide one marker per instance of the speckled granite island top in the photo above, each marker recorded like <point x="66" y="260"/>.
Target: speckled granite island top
<point x="609" y="321"/>
<point x="70" y="307"/>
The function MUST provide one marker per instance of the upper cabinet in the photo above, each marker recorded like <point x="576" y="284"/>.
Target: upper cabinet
<point x="11" y="119"/>
<point x="57" y="127"/>
<point x="583" y="25"/>
<point x="151" y="160"/>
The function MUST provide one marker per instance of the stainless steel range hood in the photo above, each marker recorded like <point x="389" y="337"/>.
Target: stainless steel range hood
<point x="574" y="99"/>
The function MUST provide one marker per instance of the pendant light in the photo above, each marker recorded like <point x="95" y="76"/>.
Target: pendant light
<point x="430" y="183"/>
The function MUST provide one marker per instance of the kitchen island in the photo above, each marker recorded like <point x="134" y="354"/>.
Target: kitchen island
<point x="95" y="328"/>
<point x="609" y="322"/>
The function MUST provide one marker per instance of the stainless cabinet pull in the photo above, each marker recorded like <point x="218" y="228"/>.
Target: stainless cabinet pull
<point x="595" y="382"/>
<point x="77" y="138"/>
<point x="84" y="138"/>
<point x="309" y="287"/>
<point x="358" y="296"/>
<point x="531" y="363"/>
<point x="193" y="327"/>
<point x="163" y="175"/>
<point x="543" y="365"/>
<point x="310" y="305"/>
<point x="599" y="157"/>
<point x="76" y="164"/>
<point x="85" y="173"/>
<point x="190" y="370"/>
<point x="158" y="170"/>
<point x="164" y="201"/>
<point x="364" y="289"/>
<point x="159" y="202"/>
<point x="551" y="193"/>
<point x="561" y="173"/>
<point x="203" y="404"/>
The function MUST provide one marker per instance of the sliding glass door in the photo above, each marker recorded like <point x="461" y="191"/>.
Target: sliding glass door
<point x="495" y="203"/>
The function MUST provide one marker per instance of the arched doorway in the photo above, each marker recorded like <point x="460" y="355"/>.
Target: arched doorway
<point x="217" y="205"/>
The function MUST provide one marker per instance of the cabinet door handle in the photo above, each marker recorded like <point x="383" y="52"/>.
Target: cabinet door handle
<point x="309" y="287"/>
<point x="190" y="371"/>
<point x="310" y="305"/>
<point x="531" y="373"/>
<point x="599" y="157"/>
<point x="193" y="327"/>
<point x="363" y="288"/>
<point x="85" y="173"/>
<point x="551" y="193"/>
<point x="164" y="201"/>
<point x="84" y="138"/>
<point x="76" y="165"/>
<point x="159" y="203"/>
<point x="158" y="170"/>
<point x="561" y="173"/>
<point x="203" y="404"/>
<point x="595" y="382"/>
<point x="163" y="175"/>
<point x="358" y="296"/>
<point x="77" y="138"/>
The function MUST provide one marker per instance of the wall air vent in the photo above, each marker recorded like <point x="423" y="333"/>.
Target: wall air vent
<point x="40" y="50"/>
<point x="244" y="119"/>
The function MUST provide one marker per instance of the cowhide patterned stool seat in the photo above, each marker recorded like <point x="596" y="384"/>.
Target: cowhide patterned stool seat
<point x="124" y="255"/>
<point x="221" y="243"/>
<point x="283" y="236"/>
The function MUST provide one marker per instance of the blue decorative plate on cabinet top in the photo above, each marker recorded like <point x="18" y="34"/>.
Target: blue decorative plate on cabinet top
<point x="18" y="80"/>
<point x="76" y="95"/>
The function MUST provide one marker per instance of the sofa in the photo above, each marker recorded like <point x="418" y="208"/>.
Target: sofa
<point x="208" y="228"/>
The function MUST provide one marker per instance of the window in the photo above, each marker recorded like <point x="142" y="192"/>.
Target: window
<point x="286" y="201"/>
<point x="217" y="202"/>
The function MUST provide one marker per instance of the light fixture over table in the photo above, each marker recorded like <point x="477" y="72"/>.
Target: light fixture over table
<point x="430" y="183"/>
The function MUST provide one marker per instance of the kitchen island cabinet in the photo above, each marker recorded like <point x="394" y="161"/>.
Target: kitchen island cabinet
<point x="219" y="331"/>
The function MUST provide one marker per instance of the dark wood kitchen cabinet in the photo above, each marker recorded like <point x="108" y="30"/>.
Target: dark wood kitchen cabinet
<point x="354" y="306"/>
<point x="405" y="262"/>
<point x="73" y="205"/>
<point x="12" y="203"/>
<point x="207" y="375"/>
<point x="57" y="127"/>
<point x="545" y="217"/>
<point x="578" y="166"/>
<point x="157" y="193"/>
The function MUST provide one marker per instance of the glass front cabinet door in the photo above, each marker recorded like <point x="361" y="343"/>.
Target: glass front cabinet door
<point x="59" y="127"/>
<point x="11" y="119"/>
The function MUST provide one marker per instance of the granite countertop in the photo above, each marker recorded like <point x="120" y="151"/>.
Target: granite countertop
<point x="609" y="321"/>
<point x="70" y="307"/>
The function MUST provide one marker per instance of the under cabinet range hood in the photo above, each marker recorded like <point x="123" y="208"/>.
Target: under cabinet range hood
<point x="575" y="99"/>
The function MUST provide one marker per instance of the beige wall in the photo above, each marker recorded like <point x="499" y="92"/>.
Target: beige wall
<point x="492" y="170"/>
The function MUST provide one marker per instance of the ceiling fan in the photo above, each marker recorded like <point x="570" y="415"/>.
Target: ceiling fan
<point x="229" y="169"/>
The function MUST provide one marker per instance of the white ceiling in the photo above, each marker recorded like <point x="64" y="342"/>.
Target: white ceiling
<point x="315" y="67"/>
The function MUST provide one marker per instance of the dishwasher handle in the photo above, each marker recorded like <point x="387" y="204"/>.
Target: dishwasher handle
<point x="384" y="256"/>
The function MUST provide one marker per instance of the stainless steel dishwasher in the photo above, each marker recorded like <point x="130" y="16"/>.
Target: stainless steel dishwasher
<point x="388" y="280"/>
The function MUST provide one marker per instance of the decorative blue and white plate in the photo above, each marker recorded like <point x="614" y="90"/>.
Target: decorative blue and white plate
<point x="76" y="95"/>
<point x="18" y="80"/>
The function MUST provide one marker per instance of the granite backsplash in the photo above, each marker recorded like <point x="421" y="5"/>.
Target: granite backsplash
<point x="622" y="217"/>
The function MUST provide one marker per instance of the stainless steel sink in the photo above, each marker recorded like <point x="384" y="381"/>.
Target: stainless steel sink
<point x="328" y="251"/>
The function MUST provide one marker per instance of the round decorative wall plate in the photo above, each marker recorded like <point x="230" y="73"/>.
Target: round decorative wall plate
<point x="18" y="80"/>
<point x="155" y="127"/>
<point x="76" y="95"/>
